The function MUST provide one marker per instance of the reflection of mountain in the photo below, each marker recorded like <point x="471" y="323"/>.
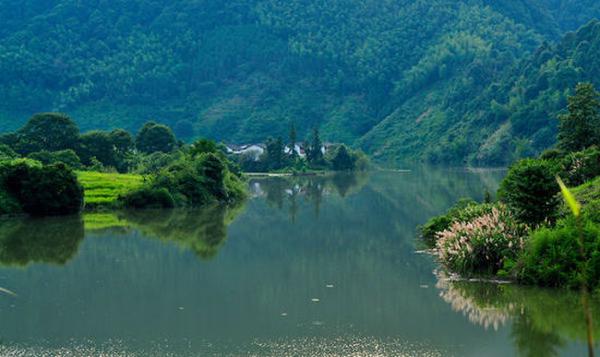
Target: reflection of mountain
<point x="543" y="320"/>
<point x="41" y="240"/>
<point x="202" y="231"/>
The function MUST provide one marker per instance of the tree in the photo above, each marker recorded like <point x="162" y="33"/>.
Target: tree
<point x="274" y="155"/>
<point x="343" y="160"/>
<point x="213" y="169"/>
<point x="530" y="191"/>
<point x="203" y="146"/>
<point x="293" y="139"/>
<point x="314" y="152"/>
<point x="122" y="141"/>
<point x="96" y="144"/>
<point x="109" y="148"/>
<point x="47" y="131"/>
<point x="154" y="137"/>
<point x="580" y="127"/>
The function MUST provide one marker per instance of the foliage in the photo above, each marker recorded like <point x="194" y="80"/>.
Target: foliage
<point x="42" y="190"/>
<point x="371" y="74"/>
<point x="553" y="257"/>
<point x="148" y="197"/>
<point x="530" y="191"/>
<point x="582" y="166"/>
<point x="47" y="132"/>
<point x="580" y="127"/>
<point x="67" y="157"/>
<point x="194" y="181"/>
<point x="314" y="153"/>
<point x="104" y="189"/>
<point x="154" y="137"/>
<point x="483" y="244"/>
<point x="6" y="153"/>
<point x="274" y="156"/>
<point x="110" y="148"/>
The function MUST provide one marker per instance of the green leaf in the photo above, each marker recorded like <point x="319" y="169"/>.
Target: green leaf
<point x="569" y="198"/>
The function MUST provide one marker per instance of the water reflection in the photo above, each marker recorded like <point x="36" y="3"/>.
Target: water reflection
<point x="542" y="321"/>
<point x="281" y="191"/>
<point x="52" y="240"/>
<point x="201" y="231"/>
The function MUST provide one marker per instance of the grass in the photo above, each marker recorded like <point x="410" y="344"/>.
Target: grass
<point x="103" y="189"/>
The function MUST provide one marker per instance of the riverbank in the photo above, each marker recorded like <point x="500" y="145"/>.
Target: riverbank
<point x="527" y="235"/>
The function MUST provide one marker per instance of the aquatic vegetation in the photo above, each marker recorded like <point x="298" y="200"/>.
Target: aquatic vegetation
<point x="483" y="244"/>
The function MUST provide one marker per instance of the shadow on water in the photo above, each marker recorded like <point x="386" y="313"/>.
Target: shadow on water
<point x="201" y="231"/>
<point x="542" y="321"/>
<point x="53" y="240"/>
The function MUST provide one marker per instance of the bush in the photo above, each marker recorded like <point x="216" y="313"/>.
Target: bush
<point x="42" y="190"/>
<point x="552" y="256"/>
<point x="483" y="244"/>
<point x="6" y="153"/>
<point x="530" y="191"/>
<point x="148" y="197"/>
<point x="582" y="166"/>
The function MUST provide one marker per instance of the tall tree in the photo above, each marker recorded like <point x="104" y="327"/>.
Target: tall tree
<point x="314" y="152"/>
<point x="293" y="139"/>
<point x="580" y="127"/>
<point x="274" y="154"/>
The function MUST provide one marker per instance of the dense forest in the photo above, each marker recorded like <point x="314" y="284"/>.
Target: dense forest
<point x="443" y="81"/>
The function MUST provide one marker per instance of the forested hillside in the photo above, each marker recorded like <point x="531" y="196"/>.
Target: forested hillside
<point x="439" y="80"/>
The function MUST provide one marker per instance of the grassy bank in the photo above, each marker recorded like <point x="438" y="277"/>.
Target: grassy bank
<point x="103" y="189"/>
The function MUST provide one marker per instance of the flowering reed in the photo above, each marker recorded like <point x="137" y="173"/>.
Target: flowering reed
<point x="482" y="244"/>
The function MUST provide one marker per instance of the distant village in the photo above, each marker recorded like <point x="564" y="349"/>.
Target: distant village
<point x="255" y="151"/>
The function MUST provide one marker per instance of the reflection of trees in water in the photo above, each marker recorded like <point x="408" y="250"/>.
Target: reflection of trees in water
<point x="279" y="190"/>
<point x="202" y="231"/>
<point x="41" y="240"/>
<point x="543" y="320"/>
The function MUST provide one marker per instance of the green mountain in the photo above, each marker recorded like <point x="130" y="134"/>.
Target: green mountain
<point x="446" y="81"/>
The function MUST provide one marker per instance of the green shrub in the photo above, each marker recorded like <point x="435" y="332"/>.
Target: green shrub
<point x="552" y="256"/>
<point x="6" y="153"/>
<point x="530" y="191"/>
<point x="582" y="166"/>
<point x="148" y="197"/>
<point x="42" y="190"/>
<point x="483" y="244"/>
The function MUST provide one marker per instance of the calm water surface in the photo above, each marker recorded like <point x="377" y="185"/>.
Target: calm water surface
<point x="307" y="267"/>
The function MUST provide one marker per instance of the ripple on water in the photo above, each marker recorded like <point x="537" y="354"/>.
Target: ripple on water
<point x="284" y="347"/>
